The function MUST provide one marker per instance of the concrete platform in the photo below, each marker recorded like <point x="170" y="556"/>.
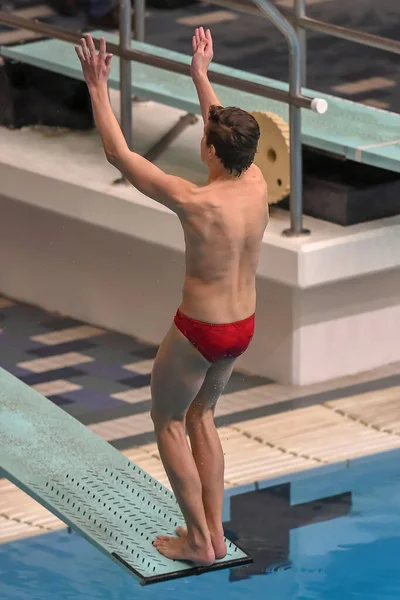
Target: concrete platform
<point x="73" y="242"/>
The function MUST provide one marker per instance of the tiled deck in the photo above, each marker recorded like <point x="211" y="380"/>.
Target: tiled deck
<point x="267" y="429"/>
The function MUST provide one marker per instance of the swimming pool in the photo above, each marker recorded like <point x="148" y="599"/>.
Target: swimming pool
<point x="330" y="533"/>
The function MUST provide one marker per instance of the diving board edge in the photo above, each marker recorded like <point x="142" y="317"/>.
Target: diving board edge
<point x="217" y="566"/>
<point x="90" y="486"/>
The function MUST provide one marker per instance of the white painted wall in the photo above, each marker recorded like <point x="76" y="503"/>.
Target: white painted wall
<point x="132" y="286"/>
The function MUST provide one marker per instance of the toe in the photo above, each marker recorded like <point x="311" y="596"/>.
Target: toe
<point x="181" y="531"/>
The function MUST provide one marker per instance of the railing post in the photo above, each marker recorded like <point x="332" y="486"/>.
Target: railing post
<point x="296" y="158"/>
<point x="140" y="13"/>
<point x="300" y="12"/>
<point x="125" y="35"/>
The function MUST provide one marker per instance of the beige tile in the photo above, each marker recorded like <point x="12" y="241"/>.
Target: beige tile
<point x="115" y="429"/>
<point x="133" y="396"/>
<point x="364" y="85"/>
<point x="53" y="388"/>
<point x="67" y="335"/>
<point x="41" y="365"/>
<point x="312" y="432"/>
<point x="11" y="530"/>
<point x="144" y="367"/>
<point x="379" y="410"/>
<point x="16" y="36"/>
<point x="35" y="12"/>
<point x="207" y="19"/>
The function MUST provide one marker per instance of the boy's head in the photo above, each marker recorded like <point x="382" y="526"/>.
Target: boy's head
<point x="231" y="136"/>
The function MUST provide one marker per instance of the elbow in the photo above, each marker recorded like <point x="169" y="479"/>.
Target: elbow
<point x="112" y="158"/>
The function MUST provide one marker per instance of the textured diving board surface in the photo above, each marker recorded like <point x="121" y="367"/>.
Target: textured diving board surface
<point x="88" y="484"/>
<point x="352" y="130"/>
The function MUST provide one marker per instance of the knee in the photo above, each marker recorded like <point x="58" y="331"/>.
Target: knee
<point x="199" y="415"/>
<point x="163" y="422"/>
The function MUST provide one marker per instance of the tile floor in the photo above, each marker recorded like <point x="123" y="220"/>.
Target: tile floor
<point x="267" y="429"/>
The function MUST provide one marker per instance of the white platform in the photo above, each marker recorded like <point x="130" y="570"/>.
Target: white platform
<point x="71" y="241"/>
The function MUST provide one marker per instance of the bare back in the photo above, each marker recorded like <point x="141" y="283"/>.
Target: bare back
<point x="223" y="227"/>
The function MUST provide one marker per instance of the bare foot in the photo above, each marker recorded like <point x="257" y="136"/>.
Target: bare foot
<point x="217" y="541"/>
<point x="180" y="549"/>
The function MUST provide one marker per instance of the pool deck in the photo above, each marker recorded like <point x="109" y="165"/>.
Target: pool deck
<point x="267" y="429"/>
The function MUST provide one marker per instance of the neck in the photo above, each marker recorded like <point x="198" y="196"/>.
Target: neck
<point x="218" y="173"/>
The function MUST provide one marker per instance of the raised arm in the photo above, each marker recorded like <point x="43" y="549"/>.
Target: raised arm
<point x="202" y="57"/>
<point x="166" y="189"/>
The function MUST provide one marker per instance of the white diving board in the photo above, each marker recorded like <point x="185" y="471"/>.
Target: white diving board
<point x="348" y="129"/>
<point x="92" y="487"/>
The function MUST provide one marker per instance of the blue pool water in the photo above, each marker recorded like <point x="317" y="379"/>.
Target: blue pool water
<point x="328" y="534"/>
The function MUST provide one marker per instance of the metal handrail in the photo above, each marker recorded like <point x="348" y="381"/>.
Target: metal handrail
<point x="296" y="159"/>
<point x="158" y="61"/>
<point x="294" y="97"/>
<point x="352" y="35"/>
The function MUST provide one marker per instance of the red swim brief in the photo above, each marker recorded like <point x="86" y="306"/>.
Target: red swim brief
<point x="216" y="341"/>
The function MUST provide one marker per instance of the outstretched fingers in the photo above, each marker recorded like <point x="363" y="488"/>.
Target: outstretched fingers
<point x="85" y="49"/>
<point x="103" y="48"/>
<point x="90" y="44"/>
<point x="209" y="39"/>
<point x="203" y="39"/>
<point x="79" y="52"/>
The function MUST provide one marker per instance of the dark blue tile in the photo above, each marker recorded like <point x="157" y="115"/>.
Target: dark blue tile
<point x="94" y="399"/>
<point x="75" y="346"/>
<point x="14" y="370"/>
<point x="146" y="353"/>
<point x="11" y="340"/>
<point x="62" y="323"/>
<point x="64" y="373"/>
<point x="137" y="381"/>
<point x="106" y="370"/>
<point x="60" y="400"/>
<point x="120" y="341"/>
<point x="241" y="381"/>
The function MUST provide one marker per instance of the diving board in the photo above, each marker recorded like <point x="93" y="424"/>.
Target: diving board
<point x="90" y="486"/>
<point x="348" y="129"/>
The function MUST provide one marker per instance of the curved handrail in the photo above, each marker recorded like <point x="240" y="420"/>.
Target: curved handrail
<point x="167" y="64"/>
<point x="296" y="159"/>
<point x="294" y="98"/>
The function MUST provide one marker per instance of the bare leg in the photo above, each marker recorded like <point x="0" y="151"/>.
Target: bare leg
<point x="178" y="374"/>
<point x="207" y="450"/>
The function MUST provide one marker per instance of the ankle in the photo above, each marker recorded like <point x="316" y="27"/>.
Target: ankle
<point x="199" y="540"/>
<point x="216" y="530"/>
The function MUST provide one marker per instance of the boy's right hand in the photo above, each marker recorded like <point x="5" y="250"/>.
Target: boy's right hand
<point x="202" y="52"/>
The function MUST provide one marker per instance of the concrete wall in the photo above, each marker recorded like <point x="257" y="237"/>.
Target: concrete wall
<point x="129" y="285"/>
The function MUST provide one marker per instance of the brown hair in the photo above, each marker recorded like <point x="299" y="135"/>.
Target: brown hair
<point x="234" y="133"/>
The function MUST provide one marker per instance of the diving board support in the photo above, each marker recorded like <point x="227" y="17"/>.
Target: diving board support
<point x="88" y="484"/>
<point x="170" y="136"/>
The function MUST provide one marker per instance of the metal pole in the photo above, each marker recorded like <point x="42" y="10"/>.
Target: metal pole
<point x="352" y="35"/>
<point x="140" y="15"/>
<point x="130" y="54"/>
<point x="125" y="35"/>
<point x="296" y="159"/>
<point x="300" y="13"/>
